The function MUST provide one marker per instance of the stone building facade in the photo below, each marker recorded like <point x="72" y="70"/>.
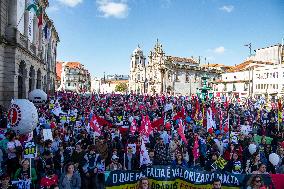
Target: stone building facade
<point x="166" y="74"/>
<point x="27" y="50"/>
<point x="73" y="77"/>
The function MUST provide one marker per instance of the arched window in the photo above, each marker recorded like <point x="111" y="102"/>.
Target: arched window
<point x="31" y="78"/>
<point x="21" y="83"/>
<point x="38" y="80"/>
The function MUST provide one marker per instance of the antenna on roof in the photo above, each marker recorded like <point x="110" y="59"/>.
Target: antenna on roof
<point x="249" y="46"/>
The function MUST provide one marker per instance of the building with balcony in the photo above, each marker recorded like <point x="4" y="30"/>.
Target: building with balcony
<point x="73" y="77"/>
<point x="268" y="81"/>
<point x="238" y="81"/>
<point x="28" y="49"/>
<point x="167" y="74"/>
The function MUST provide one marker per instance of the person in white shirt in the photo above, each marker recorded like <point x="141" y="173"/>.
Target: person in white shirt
<point x="220" y="144"/>
<point x="14" y="150"/>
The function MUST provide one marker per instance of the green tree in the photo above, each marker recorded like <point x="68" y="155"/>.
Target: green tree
<point x="121" y="87"/>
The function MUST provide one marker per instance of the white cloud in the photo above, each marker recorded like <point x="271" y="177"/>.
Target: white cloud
<point x="219" y="50"/>
<point x="51" y="9"/>
<point x="227" y="8"/>
<point x="70" y="3"/>
<point x="111" y="8"/>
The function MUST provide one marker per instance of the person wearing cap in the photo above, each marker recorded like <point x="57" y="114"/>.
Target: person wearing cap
<point x="115" y="165"/>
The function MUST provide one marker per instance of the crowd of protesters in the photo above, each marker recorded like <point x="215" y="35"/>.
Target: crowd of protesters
<point x="104" y="132"/>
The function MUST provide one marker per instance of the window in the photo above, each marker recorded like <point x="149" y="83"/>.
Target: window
<point x="68" y="84"/>
<point x="234" y="87"/>
<point x="261" y="86"/>
<point x="177" y="74"/>
<point x="235" y="77"/>
<point x="276" y="74"/>
<point x="187" y="77"/>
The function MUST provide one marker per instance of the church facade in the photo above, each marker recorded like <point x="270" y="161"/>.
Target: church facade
<point x="166" y="74"/>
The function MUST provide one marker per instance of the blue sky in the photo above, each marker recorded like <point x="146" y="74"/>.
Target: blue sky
<point x="101" y="34"/>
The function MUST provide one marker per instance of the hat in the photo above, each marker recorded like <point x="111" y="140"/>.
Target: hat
<point x="114" y="157"/>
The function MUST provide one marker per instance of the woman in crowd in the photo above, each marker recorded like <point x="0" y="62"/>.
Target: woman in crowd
<point x="70" y="179"/>
<point x="144" y="183"/>
<point x="253" y="163"/>
<point x="26" y="173"/>
<point x="14" y="149"/>
<point x="234" y="165"/>
<point x="256" y="182"/>
<point x="179" y="161"/>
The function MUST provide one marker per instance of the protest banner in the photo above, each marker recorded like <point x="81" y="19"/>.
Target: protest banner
<point x="47" y="134"/>
<point x="176" y="177"/>
<point x="29" y="149"/>
<point x="22" y="184"/>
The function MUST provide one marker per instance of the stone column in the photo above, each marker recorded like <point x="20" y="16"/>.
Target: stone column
<point x="35" y="34"/>
<point x="26" y="20"/>
<point x="12" y="20"/>
<point x="12" y="10"/>
<point x="35" y="79"/>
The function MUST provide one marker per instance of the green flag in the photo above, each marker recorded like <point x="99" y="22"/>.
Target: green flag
<point x="32" y="6"/>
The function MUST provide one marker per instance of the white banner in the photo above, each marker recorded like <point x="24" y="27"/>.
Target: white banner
<point x="31" y="27"/>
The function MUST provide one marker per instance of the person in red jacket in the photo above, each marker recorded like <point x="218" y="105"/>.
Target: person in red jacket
<point x="50" y="179"/>
<point x="232" y="148"/>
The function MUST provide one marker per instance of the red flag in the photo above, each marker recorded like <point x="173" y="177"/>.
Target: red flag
<point x="39" y="20"/>
<point x="158" y="123"/>
<point x="195" y="149"/>
<point x="146" y="126"/>
<point x="133" y="127"/>
<point x="180" y="115"/>
<point x="102" y="121"/>
<point x="181" y="132"/>
<point x="95" y="125"/>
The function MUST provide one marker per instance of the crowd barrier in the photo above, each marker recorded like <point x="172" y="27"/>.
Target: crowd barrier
<point x="169" y="177"/>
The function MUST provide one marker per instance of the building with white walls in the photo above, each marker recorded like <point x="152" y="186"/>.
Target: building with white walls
<point x="268" y="81"/>
<point x="238" y="81"/>
<point x="73" y="77"/>
<point x="273" y="54"/>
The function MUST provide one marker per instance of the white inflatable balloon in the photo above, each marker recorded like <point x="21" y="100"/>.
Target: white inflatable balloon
<point x="252" y="148"/>
<point x="38" y="97"/>
<point x="274" y="159"/>
<point x="22" y="116"/>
